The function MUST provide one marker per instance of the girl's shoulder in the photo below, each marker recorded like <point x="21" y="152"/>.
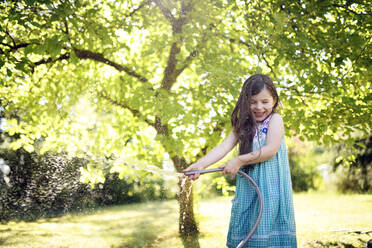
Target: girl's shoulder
<point x="276" y="119"/>
<point x="276" y="116"/>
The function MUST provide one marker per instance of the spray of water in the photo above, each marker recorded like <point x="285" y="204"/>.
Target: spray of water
<point x="5" y="169"/>
<point x="183" y="189"/>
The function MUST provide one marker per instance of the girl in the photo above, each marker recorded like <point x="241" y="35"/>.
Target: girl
<point x="263" y="156"/>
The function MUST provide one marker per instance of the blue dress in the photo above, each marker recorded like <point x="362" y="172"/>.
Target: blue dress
<point x="277" y="227"/>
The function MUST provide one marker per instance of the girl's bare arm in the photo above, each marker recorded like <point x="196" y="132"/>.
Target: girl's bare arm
<point x="220" y="151"/>
<point x="274" y="137"/>
<point x="214" y="155"/>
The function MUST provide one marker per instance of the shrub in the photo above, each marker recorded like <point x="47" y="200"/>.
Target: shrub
<point x="49" y="185"/>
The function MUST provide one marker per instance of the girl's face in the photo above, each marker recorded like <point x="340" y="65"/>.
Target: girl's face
<point x="262" y="105"/>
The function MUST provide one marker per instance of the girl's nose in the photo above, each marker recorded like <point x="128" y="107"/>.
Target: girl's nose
<point x="258" y="106"/>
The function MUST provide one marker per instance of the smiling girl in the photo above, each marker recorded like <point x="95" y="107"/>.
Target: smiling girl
<point x="259" y="131"/>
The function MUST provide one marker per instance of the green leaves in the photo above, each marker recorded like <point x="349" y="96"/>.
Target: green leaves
<point x="53" y="47"/>
<point x="109" y="101"/>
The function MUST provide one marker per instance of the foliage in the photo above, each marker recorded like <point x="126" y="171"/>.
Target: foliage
<point x="49" y="185"/>
<point x="121" y="59"/>
<point x="304" y="160"/>
<point x="353" y="165"/>
<point x="41" y="186"/>
<point x="123" y="191"/>
<point x="223" y="186"/>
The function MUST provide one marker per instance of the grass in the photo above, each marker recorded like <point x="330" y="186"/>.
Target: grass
<point x="321" y="219"/>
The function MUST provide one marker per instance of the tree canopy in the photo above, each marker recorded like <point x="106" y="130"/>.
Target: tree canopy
<point x="177" y="66"/>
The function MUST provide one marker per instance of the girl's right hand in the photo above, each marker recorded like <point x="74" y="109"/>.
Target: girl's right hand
<point x="194" y="166"/>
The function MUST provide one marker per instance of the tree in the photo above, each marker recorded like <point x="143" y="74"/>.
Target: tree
<point x="153" y="77"/>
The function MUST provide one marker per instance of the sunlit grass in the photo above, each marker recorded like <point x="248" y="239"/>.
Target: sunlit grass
<point x="323" y="219"/>
<point x="319" y="217"/>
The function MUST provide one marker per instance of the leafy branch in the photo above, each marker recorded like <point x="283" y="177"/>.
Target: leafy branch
<point x="143" y="4"/>
<point x="166" y="12"/>
<point x="86" y="54"/>
<point x="159" y="127"/>
<point x="13" y="48"/>
<point x="50" y="60"/>
<point x="122" y="105"/>
<point x="345" y="7"/>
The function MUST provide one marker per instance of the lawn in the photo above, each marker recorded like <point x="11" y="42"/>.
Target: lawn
<point x="321" y="222"/>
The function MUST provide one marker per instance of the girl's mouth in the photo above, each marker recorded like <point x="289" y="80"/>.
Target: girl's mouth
<point x="259" y="115"/>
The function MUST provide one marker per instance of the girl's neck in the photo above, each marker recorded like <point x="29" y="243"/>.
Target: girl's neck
<point x="260" y="122"/>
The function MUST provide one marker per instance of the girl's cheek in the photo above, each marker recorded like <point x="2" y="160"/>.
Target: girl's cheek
<point x="268" y="105"/>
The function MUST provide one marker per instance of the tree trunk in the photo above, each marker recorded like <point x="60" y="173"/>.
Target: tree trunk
<point x="187" y="223"/>
<point x="188" y="228"/>
<point x="364" y="172"/>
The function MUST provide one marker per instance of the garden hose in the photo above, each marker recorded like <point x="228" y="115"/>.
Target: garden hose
<point x="245" y="240"/>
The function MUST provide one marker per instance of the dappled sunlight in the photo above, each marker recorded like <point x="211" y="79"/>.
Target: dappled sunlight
<point x="120" y="226"/>
<point x="326" y="218"/>
<point x="323" y="220"/>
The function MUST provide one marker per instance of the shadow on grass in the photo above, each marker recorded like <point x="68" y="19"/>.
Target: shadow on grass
<point x="145" y="225"/>
<point x="321" y="244"/>
<point x="2" y="241"/>
<point x="145" y="229"/>
<point x="191" y="241"/>
<point x="144" y="235"/>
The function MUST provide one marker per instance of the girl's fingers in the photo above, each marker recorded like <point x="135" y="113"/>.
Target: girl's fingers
<point x="196" y="176"/>
<point x="193" y="177"/>
<point x="224" y="169"/>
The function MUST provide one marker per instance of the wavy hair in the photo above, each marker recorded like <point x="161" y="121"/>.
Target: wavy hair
<point x="242" y="119"/>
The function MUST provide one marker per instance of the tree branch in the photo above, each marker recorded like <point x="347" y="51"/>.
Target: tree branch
<point x="119" y="104"/>
<point x="192" y="55"/>
<point x="166" y="12"/>
<point x="363" y="49"/>
<point x="11" y="37"/>
<point x="138" y="8"/>
<point x="13" y="48"/>
<point x="86" y="54"/>
<point x="114" y="102"/>
<point x="50" y="60"/>
<point x="170" y="72"/>
<point x="268" y="64"/>
<point x="159" y="127"/>
<point x="349" y="10"/>
<point x="187" y="61"/>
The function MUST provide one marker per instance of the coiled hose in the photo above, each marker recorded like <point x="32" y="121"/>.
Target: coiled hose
<point x="258" y="219"/>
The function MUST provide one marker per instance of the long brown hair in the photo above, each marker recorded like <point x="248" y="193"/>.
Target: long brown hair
<point x="242" y="119"/>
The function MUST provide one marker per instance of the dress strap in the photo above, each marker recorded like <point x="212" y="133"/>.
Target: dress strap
<point x="262" y="128"/>
<point x="265" y="123"/>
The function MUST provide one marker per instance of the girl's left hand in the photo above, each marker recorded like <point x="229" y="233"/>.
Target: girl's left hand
<point x="232" y="166"/>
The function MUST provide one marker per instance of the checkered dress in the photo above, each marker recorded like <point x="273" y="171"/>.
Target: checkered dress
<point x="277" y="227"/>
